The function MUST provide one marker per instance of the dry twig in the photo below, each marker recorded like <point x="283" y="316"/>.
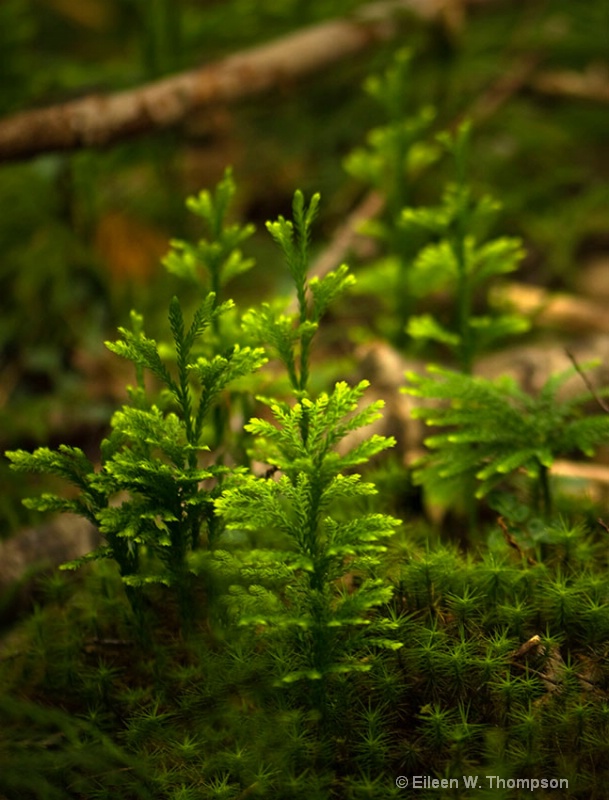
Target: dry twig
<point x="97" y="121"/>
<point x="101" y="120"/>
<point x="511" y="541"/>
<point x="586" y="380"/>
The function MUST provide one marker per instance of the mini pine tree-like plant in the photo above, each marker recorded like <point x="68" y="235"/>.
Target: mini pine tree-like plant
<point x="394" y="156"/>
<point x="430" y="249"/>
<point x="460" y="260"/>
<point x="152" y="458"/>
<point x="325" y="626"/>
<point x="209" y="264"/>
<point x="396" y="150"/>
<point x="321" y="546"/>
<point x="290" y="336"/>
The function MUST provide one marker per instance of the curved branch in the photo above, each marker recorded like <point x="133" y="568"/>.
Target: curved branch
<point x="98" y="120"/>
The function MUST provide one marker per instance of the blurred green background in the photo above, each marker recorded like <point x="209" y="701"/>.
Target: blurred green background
<point x="82" y="234"/>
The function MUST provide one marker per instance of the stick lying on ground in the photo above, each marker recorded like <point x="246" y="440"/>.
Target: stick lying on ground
<point x="101" y="120"/>
<point x="98" y="120"/>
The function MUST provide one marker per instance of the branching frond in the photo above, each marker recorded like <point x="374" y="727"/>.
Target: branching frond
<point x="494" y="428"/>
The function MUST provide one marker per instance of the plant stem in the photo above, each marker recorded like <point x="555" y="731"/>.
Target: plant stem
<point x="545" y="490"/>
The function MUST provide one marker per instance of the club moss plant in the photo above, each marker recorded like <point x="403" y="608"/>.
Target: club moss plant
<point x="460" y="259"/>
<point x="391" y="162"/>
<point x="147" y="496"/>
<point x="307" y="504"/>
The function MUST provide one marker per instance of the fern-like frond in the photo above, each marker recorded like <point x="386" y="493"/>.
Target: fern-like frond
<point x="143" y="352"/>
<point x="495" y="429"/>
<point x="67" y="462"/>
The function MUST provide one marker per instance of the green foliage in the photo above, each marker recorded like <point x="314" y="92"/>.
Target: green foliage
<point x="496" y="430"/>
<point x="317" y="591"/>
<point x="17" y="31"/>
<point x="47" y="753"/>
<point x="291" y="336"/>
<point x="359" y="655"/>
<point x="396" y="151"/>
<point x="318" y="548"/>
<point x="322" y="547"/>
<point x="459" y="261"/>
<point x="151" y="459"/>
<point x="160" y="27"/>
<point x="477" y="688"/>
<point x="394" y="157"/>
<point x="219" y="255"/>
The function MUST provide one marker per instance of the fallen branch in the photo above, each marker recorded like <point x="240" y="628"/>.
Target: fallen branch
<point x="98" y="121"/>
<point x="101" y="120"/>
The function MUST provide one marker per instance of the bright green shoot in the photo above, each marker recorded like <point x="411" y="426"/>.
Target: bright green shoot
<point x="322" y="542"/>
<point x="459" y="259"/>
<point x="291" y="336"/>
<point x="212" y="262"/>
<point x="394" y="156"/>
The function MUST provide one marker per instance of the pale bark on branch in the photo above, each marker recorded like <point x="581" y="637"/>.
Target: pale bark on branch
<point x="102" y="120"/>
<point x="98" y="120"/>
